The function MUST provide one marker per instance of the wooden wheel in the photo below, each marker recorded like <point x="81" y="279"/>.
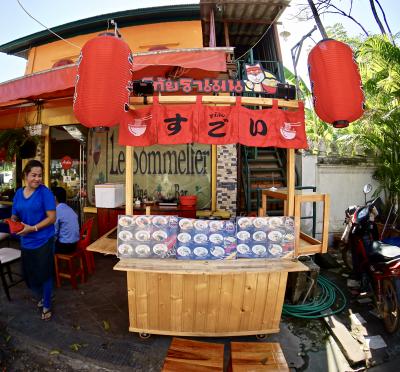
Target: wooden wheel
<point x="391" y="316"/>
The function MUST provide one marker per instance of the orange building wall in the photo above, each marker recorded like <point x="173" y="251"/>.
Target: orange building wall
<point x="183" y="34"/>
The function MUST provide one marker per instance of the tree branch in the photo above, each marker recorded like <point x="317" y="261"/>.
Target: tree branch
<point x="386" y="22"/>
<point x="378" y="21"/>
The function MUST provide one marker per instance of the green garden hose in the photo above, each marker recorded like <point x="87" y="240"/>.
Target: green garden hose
<point x="321" y="305"/>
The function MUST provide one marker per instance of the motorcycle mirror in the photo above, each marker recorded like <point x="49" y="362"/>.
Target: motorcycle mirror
<point x="367" y="188"/>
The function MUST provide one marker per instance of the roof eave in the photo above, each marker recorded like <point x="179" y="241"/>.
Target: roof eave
<point x="126" y="18"/>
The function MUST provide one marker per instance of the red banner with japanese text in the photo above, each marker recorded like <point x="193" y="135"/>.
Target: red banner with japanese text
<point x="137" y="128"/>
<point x="272" y="127"/>
<point x="176" y="124"/>
<point x="220" y="125"/>
<point x="292" y="129"/>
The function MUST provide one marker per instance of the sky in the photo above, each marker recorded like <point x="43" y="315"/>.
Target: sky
<point x="15" y="23"/>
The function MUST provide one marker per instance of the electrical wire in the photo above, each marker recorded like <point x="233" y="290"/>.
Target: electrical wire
<point x="255" y="44"/>
<point x="321" y="306"/>
<point x="48" y="29"/>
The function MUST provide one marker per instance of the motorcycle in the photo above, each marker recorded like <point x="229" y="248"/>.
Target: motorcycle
<point x="375" y="263"/>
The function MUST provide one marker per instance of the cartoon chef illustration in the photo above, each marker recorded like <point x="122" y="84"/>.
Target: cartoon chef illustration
<point x="259" y="80"/>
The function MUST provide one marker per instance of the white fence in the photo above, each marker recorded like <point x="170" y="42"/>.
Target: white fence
<point x="344" y="182"/>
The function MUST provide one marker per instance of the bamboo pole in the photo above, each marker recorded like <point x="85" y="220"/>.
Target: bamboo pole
<point x="229" y="100"/>
<point x="47" y="159"/>
<point x="129" y="180"/>
<point x="290" y="174"/>
<point x="214" y="178"/>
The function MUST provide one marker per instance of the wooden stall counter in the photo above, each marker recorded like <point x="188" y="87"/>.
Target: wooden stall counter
<point x="203" y="298"/>
<point x="206" y="298"/>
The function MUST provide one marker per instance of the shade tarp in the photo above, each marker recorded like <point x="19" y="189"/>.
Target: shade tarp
<point x="54" y="83"/>
<point x="195" y="63"/>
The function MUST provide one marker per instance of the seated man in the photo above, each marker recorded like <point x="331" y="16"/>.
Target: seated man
<point x="66" y="226"/>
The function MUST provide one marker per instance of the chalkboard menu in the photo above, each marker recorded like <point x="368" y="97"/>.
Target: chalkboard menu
<point x="266" y="237"/>
<point x="205" y="239"/>
<point x="146" y="236"/>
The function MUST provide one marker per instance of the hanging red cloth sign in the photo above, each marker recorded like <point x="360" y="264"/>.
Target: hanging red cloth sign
<point x="291" y="129"/>
<point x="137" y="128"/>
<point x="176" y="124"/>
<point x="218" y="125"/>
<point x="257" y="127"/>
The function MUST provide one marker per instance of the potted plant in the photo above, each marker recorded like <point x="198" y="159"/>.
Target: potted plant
<point x="18" y="143"/>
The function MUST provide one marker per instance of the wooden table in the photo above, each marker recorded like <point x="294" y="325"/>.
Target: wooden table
<point x="304" y="244"/>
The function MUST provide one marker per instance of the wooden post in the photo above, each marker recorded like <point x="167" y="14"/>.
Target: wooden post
<point x="290" y="174"/>
<point x="214" y="178"/>
<point x="129" y="180"/>
<point x="47" y="159"/>
<point x="226" y="34"/>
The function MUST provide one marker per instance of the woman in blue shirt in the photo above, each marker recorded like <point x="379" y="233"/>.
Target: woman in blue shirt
<point x="35" y="207"/>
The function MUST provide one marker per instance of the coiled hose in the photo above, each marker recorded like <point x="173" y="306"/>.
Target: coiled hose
<point x="321" y="306"/>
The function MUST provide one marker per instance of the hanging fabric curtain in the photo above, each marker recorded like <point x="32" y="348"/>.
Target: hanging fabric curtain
<point x="180" y="124"/>
<point x="137" y="128"/>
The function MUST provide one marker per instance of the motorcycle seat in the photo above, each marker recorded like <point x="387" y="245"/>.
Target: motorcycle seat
<point x="382" y="252"/>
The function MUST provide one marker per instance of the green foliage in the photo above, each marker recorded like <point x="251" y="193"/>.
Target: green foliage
<point x="13" y="139"/>
<point x="377" y="133"/>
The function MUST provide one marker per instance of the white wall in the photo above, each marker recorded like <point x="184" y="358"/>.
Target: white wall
<point x="344" y="183"/>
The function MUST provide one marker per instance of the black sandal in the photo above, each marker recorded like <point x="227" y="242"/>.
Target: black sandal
<point x="46" y="315"/>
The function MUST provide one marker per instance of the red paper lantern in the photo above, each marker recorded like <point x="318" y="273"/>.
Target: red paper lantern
<point x="104" y="74"/>
<point x="335" y="83"/>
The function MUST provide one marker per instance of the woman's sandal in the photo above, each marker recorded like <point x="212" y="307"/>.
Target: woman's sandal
<point x="46" y="315"/>
<point x="41" y="302"/>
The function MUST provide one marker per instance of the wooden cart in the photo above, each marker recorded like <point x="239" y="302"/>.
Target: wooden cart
<point x="210" y="298"/>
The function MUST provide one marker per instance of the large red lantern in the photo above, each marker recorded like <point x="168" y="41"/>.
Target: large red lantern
<point x="335" y="83"/>
<point x="104" y="75"/>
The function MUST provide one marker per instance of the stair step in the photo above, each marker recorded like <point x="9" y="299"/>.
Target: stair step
<point x="266" y="150"/>
<point x="267" y="179"/>
<point x="259" y="169"/>
<point x="261" y="160"/>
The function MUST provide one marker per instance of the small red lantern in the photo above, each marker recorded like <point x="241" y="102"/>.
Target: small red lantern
<point x="335" y="83"/>
<point x="104" y="75"/>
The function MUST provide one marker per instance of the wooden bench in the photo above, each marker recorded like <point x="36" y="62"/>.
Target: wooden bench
<point x="194" y="356"/>
<point x="257" y="357"/>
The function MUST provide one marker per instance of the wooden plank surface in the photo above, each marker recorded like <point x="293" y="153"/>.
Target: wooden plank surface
<point x="176" y="302"/>
<point x="349" y="346"/>
<point x="214" y="299"/>
<point x="257" y="356"/>
<point x="164" y="301"/>
<point x="104" y="245"/>
<point x="249" y="299"/>
<point x="209" y="267"/>
<point x="194" y="356"/>
<point x="131" y="286"/>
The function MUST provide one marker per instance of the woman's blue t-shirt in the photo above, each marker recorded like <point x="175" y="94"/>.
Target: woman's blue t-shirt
<point x="31" y="211"/>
